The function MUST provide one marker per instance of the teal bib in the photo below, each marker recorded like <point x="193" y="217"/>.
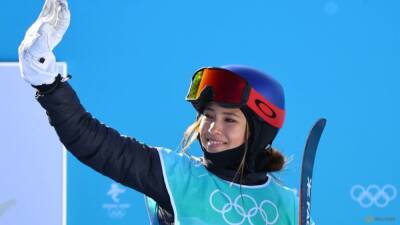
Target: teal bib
<point x="199" y="197"/>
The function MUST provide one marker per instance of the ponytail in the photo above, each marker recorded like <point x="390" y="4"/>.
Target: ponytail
<point x="275" y="160"/>
<point x="269" y="160"/>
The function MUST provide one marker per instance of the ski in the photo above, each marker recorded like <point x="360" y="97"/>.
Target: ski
<point x="307" y="171"/>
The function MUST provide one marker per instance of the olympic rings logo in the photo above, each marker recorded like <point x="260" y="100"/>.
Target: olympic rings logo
<point x="373" y="195"/>
<point x="239" y="210"/>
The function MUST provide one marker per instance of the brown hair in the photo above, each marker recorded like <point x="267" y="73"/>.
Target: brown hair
<point x="190" y="134"/>
<point x="274" y="160"/>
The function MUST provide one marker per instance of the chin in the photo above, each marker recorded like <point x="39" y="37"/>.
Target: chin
<point x="215" y="150"/>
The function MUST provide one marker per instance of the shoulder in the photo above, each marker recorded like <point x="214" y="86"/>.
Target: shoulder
<point x="177" y="160"/>
<point x="284" y="190"/>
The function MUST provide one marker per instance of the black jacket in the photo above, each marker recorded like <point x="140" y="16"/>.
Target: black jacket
<point x="121" y="158"/>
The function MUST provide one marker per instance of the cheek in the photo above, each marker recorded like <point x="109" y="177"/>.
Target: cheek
<point x="203" y="128"/>
<point x="237" y="134"/>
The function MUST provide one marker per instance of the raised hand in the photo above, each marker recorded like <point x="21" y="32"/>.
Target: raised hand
<point x="36" y="57"/>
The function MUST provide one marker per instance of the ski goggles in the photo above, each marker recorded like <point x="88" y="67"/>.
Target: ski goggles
<point x="231" y="90"/>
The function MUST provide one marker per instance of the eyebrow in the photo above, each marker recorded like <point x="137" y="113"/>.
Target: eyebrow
<point x="225" y="113"/>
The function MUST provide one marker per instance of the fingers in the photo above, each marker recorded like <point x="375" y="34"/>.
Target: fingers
<point x="63" y="16"/>
<point x="63" y="2"/>
<point x="55" y="12"/>
<point x="49" y="11"/>
<point x="47" y="31"/>
<point x="30" y="37"/>
<point x="51" y="25"/>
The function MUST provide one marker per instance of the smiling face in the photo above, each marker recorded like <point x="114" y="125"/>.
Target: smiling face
<point x="222" y="128"/>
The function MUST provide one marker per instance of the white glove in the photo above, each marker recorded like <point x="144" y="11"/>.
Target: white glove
<point x="36" y="58"/>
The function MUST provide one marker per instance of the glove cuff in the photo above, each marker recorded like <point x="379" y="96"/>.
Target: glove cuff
<point x="46" y="89"/>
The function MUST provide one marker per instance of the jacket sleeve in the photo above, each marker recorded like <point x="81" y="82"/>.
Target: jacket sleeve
<point x="121" y="158"/>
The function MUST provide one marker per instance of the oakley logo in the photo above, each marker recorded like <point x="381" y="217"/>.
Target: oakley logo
<point x="232" y="207"/>
<point x="265" y="109"/>
<point x="373" y="195"/>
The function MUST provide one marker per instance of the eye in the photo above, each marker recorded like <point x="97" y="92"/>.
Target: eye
<point x="230" y="120"/>
<point x="208" y="116"/>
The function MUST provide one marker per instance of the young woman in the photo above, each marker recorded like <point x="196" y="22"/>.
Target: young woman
<point x="240" y="111"/>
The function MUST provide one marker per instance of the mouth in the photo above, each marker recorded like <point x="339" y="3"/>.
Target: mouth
<point x="213" y="143"/>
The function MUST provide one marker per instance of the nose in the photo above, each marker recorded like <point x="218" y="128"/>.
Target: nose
<point x="215" y="128"/>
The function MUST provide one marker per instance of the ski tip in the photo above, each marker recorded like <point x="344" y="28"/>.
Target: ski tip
<point x="321" y="122"/>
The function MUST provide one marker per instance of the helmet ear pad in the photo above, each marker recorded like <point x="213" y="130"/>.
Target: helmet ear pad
<point x="261" y="136"/>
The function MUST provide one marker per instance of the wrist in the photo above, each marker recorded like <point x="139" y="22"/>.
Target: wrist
<point x="46" y="89"/>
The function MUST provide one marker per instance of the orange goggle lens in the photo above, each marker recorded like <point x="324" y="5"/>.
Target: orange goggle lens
<point x="227" y="87"/>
